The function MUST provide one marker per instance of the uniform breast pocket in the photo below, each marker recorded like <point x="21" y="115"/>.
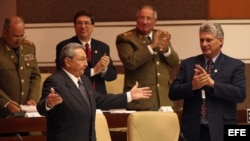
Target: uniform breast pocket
<point x="6" y="65"/>
<point x="7" y="71"/>
<point x="29" y="65"/>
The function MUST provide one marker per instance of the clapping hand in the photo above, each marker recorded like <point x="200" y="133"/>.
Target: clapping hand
<point x="201" y="78"/>
<point x="102" y="64"/>
<point x="161" y="40"/>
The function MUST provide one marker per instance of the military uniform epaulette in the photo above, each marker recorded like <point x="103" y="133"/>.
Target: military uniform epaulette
<point x="27" y="42"/>
<point x="127" y="34"/>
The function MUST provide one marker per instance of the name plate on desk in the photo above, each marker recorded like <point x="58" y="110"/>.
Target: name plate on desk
<point x="119" y="111"/>
<point x="32" y="114"/>
<point x="166" y="109"/>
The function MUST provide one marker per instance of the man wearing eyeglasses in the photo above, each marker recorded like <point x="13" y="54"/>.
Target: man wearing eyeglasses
<point x="147" y="55"/>
<point x="19" y="74"/>
<point x="100" y="65"/>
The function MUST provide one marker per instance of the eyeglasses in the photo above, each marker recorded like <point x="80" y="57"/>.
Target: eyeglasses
<point x="83" y="59"/>
<point x="19" y="37"/>
<point x="80" y="23"/>
<point x="148" y="19"/>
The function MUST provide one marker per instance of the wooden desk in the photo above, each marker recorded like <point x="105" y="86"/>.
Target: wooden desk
<point x="23" y="125"/>
<point x="115" y="120"/>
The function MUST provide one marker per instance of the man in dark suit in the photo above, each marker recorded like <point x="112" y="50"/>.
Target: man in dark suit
<point x="19" y="74"/>
<point x="100" y="65"/>
<point x="70" y="113"/>
<point x="147" y="56"/>
<point x="220" y="90"/>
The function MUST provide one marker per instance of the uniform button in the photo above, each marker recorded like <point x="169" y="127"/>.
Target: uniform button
<point x="22" y="81"/>
<point x="158" y="63"/>
<point x="22" y="93"/>
<point x="28" y="64"/>
<point x="12" y="56"/>
<point x="158" y="85"/>
<point x="21" y="67"/>
<point x="158" y="74"/>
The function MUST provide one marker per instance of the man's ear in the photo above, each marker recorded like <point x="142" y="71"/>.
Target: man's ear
<point x="67" y="61"/>
<point x="4" y="33"/>
<point x="221" y="41"/>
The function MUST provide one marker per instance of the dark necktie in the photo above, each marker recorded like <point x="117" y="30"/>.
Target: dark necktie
<point x="16" y="51"/>
<point x="204" y="106"/>
<point x="84" y="93"/>
<point x="149" y="39"/>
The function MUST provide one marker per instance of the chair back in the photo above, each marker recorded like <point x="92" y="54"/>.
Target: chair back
<point x="115" y="86"/>
<point x="153" y="126"/>
<point x="102" y="129"/>
<point x="43" y="78"/>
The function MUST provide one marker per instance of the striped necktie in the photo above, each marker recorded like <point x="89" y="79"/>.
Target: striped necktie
<point x="83" y="92"/>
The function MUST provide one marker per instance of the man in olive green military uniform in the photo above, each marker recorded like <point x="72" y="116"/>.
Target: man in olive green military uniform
<point x="147" y="55"/>
<point x="19" y="74"/>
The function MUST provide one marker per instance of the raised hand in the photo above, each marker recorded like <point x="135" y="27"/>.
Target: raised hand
<point x="140" y="93"/>
<point x="53" y="99"/>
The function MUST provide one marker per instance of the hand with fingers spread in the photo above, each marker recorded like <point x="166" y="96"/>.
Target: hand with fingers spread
<point x="53" y="99"/>
<point x="139" y="93"/>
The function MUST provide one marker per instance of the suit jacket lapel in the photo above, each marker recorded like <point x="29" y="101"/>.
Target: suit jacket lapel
<point x="90" y="91"/>
<point x="74" y="91"/>
<point x="201" y="61"/>
<point x="95" y="51"/>
<point x="218" y="65"/>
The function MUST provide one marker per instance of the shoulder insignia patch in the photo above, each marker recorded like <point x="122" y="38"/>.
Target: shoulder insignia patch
<point x="128" y="33"/>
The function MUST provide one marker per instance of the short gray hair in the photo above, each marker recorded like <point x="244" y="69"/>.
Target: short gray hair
<point x="214" y="28"/>
<point x="147" y="7"/>
<point x="68" y="51"/>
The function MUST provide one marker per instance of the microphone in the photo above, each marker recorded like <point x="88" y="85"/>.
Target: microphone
<point x="19" y="137"/>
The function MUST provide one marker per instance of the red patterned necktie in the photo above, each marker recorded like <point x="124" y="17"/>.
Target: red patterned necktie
<point x="204" y="106"/>
<point x="209" y="65"/>
<point x="88" y="52"/>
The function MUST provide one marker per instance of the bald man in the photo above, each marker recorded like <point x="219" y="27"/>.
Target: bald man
<point x="19" y="74"/>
